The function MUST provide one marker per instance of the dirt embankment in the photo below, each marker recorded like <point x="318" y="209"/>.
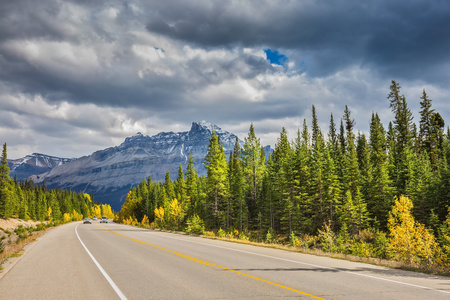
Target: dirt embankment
<point x="11" y="224"/>
<point x="15" y="234"/>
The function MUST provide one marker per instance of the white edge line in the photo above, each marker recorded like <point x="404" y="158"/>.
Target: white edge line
<point x="110" y="281"/>
<point x="311" y="265"/>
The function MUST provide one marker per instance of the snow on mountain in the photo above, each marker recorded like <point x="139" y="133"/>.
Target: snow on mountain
<point x="33" y="164"/>
<point x="110" y="173"/>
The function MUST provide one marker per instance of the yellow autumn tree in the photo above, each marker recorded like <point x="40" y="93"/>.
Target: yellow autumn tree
<point x="96" y="211"/>
<point x="145" y="221"/>
<point x="107" y="211"/>
<point x="410" y="241"/>
<point x="159" y="216"/>
<point x="176" y="212"/>
<point x="49" y="214"/>
<point x="67" y="218"/>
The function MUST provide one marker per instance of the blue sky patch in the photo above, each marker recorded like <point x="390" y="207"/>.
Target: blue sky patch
<point x="276" y="57"/>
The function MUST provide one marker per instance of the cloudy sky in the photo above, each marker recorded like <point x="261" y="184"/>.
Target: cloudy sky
<point x="79" y="76"/>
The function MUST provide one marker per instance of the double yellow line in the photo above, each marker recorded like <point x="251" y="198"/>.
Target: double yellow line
<point x="211" y="264"/>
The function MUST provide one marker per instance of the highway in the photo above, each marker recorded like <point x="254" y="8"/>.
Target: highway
<point x="113" y="261"/>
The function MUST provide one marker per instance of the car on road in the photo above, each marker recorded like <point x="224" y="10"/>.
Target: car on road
<point x="94" y="218"/>
<point x="104" y="220"/>
<point x="87" y="221"/>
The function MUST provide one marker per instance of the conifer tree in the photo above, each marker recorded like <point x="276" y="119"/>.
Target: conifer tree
<point x="353" y="173"/>
<point x="180" y="186"/>
<point x="317" y="165"/>
<point x="380" y="191"/>
<point x="216" y="167"/>
<point x="6" y="193"/>
<point x="302" y="178"/>
<point x="237" y="206"/>
<point x="253" y="170"/>
<point x="402" y="136"/>
<point x="192" y="189"/>
<point x="169" y="188"/>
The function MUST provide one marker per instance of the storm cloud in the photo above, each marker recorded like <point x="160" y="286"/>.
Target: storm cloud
<point x="78" y="76"/>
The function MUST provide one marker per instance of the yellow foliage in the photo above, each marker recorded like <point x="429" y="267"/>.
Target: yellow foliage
<point x="67" y="218"/>
<point x="49" y="213"/>
<point x="130" y="221"/>
<point x="144" y="220"/>
<point x="107" y="211"/>
<point x="159" y="215"/>
<point x="409" y="241"/>
<point x="96" y="211"/>
<point x="175" y="211"/>
<point x="76" y="216"/>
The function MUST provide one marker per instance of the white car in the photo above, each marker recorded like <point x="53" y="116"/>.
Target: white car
<point x="104" y="220"/>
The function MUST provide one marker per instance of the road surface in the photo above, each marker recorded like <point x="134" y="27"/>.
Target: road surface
<point x="113" y="261"/>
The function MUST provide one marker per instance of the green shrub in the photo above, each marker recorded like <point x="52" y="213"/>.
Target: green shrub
<point x="270" y="236"/>
<point x="221" y="233"/>
<point x="195" y="225"/>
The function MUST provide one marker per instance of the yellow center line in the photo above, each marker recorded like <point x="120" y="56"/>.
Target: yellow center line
<point x="210" y="264"/>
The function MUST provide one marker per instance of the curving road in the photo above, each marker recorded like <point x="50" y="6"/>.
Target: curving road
<point x="112" y="261"/>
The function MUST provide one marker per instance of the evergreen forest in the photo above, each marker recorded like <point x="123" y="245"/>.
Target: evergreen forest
<point x="385" y="194"/>
<point x="26" y="201"/>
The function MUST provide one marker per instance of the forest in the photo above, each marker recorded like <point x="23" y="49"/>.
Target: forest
<point x="385" y="195"/>
<point x="27" y="201"/>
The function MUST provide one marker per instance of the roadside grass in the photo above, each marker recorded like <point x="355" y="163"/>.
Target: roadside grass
<point x="281" y="244"/>
<point x="13" y="243"/>
<point x="433" y="270"/>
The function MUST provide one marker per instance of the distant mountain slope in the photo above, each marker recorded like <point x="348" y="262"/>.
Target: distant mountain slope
<point x="110" y="173"/>
<point x="33" y="164"/>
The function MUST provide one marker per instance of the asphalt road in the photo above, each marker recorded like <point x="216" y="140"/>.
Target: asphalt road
<point x="112" y="261"/>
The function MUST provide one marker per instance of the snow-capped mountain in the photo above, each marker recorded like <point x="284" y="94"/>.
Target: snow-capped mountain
<point x="110" y="173"/>
<point x="33" y="164"/>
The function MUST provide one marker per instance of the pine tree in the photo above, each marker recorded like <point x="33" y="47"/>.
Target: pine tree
<point x="253" y="170"/>
<point x="7" y="201"/>
<point x="169" y="188"/>
<point x="237" y="205"/>
<point x="353" y="173"/>
<point x="180" y="186"/>
<point x="402" y="136"/>
<point x="302" y="179"/>
<point x="216" y="167"/>
<point x="317" y="165"/>
<point x="425" y="124"/>
<point x="380" y="191"/>
<point x="192" y="190"/>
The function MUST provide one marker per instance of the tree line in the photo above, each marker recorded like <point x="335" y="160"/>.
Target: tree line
<point x="28" y="201"/>
<point x="341" y="187"/>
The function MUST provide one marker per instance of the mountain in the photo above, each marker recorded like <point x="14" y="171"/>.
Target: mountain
<point x="33" y="164"/>
<point x="110" y="173"/>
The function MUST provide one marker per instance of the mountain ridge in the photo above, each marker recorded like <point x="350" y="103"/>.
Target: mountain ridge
<point x="110" y="173"/>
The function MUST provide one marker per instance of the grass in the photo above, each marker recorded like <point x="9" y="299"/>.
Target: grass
<point x="16" y="249"/>
<point x="434" y="270"/>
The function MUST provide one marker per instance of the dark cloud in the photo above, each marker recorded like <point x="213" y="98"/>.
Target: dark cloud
<point x="407" y="40"/>
<point x="109" y="68"/>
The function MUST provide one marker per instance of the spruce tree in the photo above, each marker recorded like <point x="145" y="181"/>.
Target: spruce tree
<point x="380" y="192"/>
<point x="237" y="206"/>
<point x="7" y="201"/>
<point x="253" y="170"/>
<point x="402" y="136"/>
<point x="317" y="165"/>
<point x="217" y="184"/>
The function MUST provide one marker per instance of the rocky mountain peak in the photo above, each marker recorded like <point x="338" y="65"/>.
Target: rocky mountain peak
<point x="204" y="126"/>
<point x="137" y="137"/>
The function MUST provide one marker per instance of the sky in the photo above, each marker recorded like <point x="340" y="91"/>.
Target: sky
<point x="81" y="76"/>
